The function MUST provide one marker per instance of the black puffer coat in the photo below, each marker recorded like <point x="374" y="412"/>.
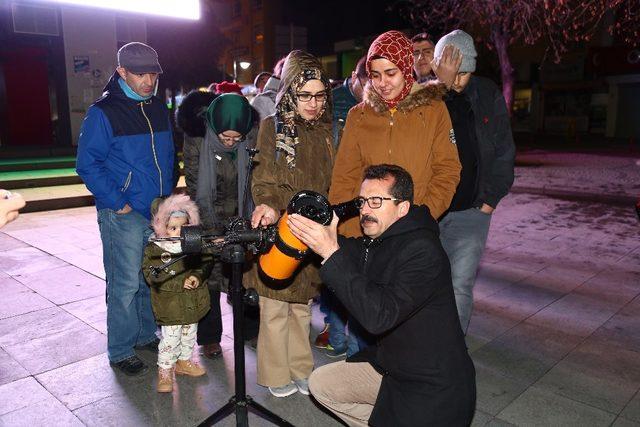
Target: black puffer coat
<point x="190" y="119"/>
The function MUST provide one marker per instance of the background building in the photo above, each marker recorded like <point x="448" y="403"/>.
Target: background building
<point x="592" y="93"/>
<point x="55" y="59"/>
<point x="262" y="32"/>
<point x="258" y="32"/>
<point x="54" y="62"/>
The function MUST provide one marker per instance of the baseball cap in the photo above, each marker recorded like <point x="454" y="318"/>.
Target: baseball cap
<point x="139" y="58"/>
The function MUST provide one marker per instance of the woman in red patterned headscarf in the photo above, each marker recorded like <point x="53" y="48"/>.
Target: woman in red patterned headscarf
<point x="399" y="122"/>
<point x="390" y="67"/>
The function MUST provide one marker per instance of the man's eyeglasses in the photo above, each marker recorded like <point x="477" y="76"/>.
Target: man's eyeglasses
<point x="374" y="202"/>
<point x="231" y="139"/>
<point x="306" y="97"/>
<point x="423" y="52"/>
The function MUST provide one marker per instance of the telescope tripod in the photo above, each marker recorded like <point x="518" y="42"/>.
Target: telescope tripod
<point x="240" y="403"/>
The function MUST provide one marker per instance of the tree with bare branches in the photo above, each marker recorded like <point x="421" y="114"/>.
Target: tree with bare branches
<point x="558" y="24"/>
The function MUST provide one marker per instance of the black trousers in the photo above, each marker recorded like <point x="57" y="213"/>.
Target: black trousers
<point x="210" y="326"/>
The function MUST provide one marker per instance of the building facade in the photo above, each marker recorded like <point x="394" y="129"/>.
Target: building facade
<point x="54" y="62"/>
<point x="258" y="32"/>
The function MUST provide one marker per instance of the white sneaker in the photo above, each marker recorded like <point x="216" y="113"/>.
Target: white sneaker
<point x="303" y="386"/>
<point x="285" y="390"/>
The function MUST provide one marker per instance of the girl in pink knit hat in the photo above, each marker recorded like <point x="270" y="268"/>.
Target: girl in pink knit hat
<point x="179" y="298"/>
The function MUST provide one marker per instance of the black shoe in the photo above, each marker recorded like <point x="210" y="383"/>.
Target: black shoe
<point x="131" y="366"/>
<point x="212" y="351"/>
<point x="150" y="346"/>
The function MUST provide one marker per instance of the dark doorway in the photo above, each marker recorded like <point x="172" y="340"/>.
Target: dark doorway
<point x="628" y="125"/>
<point x="24" y="91"/>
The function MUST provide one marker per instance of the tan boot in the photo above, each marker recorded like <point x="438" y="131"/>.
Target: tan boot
<point x="165" y="380"/>
<point x="187" y="367"/>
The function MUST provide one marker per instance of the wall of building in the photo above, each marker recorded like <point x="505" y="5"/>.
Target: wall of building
<point x="91" y="40"/>
<point x="89" y="48"/>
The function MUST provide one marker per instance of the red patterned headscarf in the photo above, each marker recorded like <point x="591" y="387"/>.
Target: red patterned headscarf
<point x="397" y="48"/>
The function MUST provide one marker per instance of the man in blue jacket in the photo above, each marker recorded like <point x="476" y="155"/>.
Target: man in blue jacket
<point x="126" y="158"/>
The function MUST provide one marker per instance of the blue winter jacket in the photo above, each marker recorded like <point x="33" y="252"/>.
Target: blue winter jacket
<point x="125" y="151"/>
<point x="343" y="101"/>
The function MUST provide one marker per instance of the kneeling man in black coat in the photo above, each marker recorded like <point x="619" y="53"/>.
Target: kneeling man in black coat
<point x="396" y="281"/>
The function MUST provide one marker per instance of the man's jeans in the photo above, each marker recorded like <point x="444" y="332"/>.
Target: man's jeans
<point x="130" y="320"/>
<point x="338" y="317"/>
<point x="463" y="235"/>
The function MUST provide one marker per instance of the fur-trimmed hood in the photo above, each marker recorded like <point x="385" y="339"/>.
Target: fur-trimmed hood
<point x="421" y="94"/>
<point x="190" y="116"/>
<point x="176" y="202"/>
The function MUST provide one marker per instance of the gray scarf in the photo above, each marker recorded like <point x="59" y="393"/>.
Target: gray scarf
<point x="206" y="193"/>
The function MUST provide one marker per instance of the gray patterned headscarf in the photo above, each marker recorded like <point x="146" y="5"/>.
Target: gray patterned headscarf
<point x="298" y="69"/>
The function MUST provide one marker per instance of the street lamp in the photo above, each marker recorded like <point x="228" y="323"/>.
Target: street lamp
<point x="243" y="64"/>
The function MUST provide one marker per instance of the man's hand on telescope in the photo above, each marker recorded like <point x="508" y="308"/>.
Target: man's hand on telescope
<point x="263" y="215"/>
<point x="323" y="240"/>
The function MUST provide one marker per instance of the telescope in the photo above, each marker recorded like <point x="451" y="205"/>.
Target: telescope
<point x="281" y="252"/>
<point x="287" y="251"/>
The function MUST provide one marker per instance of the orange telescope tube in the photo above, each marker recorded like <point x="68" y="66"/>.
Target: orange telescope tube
<point x="285" y="255"/>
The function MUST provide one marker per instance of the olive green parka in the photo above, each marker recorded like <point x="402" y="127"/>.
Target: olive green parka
<point x="172" y="304"/>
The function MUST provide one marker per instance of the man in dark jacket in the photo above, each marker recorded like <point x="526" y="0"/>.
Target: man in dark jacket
<point x="423" y="54"/>
<point x="486" y="150"/>
<point x="396" y="282"/>
<point x="265" y="101"/>
<point x="126" y="159"/>
<point x="346" y="96"/>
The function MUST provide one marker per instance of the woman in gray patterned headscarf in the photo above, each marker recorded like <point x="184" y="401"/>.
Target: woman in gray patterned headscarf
<point x="296" y="153"/>
<point x="301" y="70"/>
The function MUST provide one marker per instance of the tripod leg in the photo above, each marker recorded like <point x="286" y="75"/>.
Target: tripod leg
<point x="220" y="414"/>
<point x="263" y="412"/>
<point x="242" y="417"/>
<point x="240" y="402"/>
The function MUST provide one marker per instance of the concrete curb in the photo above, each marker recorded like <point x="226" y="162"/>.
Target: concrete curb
<point x="611" y="199"/>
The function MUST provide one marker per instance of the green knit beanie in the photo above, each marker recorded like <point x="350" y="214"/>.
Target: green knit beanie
<point x="230" y="112"/>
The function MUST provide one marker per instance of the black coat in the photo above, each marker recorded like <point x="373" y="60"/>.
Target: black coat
<point x="495" y="140"/>
<point x="398" y="287"/>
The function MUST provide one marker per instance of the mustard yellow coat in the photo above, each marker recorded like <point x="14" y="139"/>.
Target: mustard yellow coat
<point x="418" y="136"/>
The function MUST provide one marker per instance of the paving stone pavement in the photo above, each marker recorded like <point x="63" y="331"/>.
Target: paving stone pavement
<point x="555" y="332"/>
<point x="605" y="177"/>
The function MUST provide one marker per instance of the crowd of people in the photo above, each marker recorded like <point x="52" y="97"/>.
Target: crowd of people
<point x="419" y="144"/>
